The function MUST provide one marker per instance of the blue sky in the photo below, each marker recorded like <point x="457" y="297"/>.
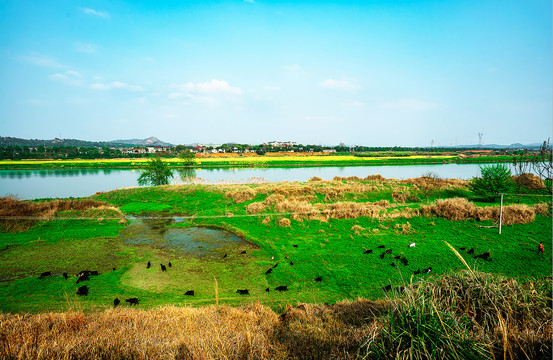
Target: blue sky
<point x="380" y="73"/>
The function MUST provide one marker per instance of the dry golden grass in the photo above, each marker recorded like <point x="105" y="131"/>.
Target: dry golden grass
<point x="266" y="220"/>
<point x="284" y="222"/>
<point x="462" y="209"/>
<point x="357" y="229"/>
<point x="166" y="333"/>
<point x="352" y="210"/>
<point x="241" y="194"/>
<point x="256" y="207"/>
<point x="18" y="215"/>
<point x="529" y="181"/>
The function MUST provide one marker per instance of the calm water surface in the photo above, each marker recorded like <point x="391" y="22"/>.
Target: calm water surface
<point x="32" y="184"/>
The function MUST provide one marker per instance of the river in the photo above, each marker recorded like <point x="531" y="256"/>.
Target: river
<point x="33" y="184"/>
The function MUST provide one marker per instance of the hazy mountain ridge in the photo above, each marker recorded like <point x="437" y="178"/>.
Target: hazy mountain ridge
<point x="151" y="141"/>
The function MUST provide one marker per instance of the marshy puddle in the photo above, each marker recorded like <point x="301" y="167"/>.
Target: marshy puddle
<point x="196" y="241"/>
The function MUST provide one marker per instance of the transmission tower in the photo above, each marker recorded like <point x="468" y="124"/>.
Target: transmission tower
<point x="480" y="138"/>
<point x="432" y="144"/>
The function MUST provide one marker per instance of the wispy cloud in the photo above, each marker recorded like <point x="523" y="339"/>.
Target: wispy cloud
<point x="69" y="77"/>
<point x="213" y="86"/>
<point x="117" y="85"/>
<point x="85" y="48"/>
<point x="336" y="84"/>
<point x="410" y="104"/>
<point x="293" y="67"/>
<point x="41" y="60"/>
<point x="89" y="11"/>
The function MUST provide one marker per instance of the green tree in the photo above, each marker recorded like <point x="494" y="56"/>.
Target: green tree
<point x="156" y="173"/>
<point x="188" y="157"/>
<point x="494" y="180"/>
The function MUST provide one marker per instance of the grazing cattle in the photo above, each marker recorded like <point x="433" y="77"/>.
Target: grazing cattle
<point x="269" y="271"/>
<point x="45" y="274"/>
<point x="397" y="257"/>
<point x="368" y="251"/>
<point x="286" y="256"/>
<point x="163" y="268"/>
<point x="387" y="288"/>
<point x="65" y="275"/>
<point x="267" y="289"/>
<point x="281" y="288"/>
<point x="393" y="264"/>
<point x="116" y="302"/>
<point x="404" y="261"/>
<point x="471" y="251"/>
<point x="412" y="245"/>
<point x="291" y="263"/>
<point x="272" y="257"/>
<point x="427" y="270"/>
<point x="382" y="255"/>
<point x="243" y="292"/>
<point x="82" y="278"/>
<point x="318" y="279"/>
<point x="224" y="256"/>
<point x="243" y="252"/>
<point x="389" y="251"/>
<point x="132" y="301"/>
<point x="401" y="289"/>
<point x="295" y="245"/>
<point x="88" y="273"/>
<point x="381" y="246"/>
<point x="149" y="265"/>
<point x="170" y="265"/>
<point x="416" y="272"/>
<point x="83" y="290"/>
<point x="113" y="269"/>
<point x="462" y="248"/>
<point x="189" y="293"/>
<point x="275" y="265"/>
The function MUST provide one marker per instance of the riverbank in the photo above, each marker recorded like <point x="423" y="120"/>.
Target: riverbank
<point x="257" y="161"/>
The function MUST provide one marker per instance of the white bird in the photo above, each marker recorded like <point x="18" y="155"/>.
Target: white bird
<point x="412" y="245"/>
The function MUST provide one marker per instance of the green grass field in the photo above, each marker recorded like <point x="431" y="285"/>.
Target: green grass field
<point x="332" y="249"/>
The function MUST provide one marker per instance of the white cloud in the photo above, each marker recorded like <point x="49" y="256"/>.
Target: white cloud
<point x="353" y="104"/>
<point x="293" y="67"/>
<point x="410" y="104"/>
<point x="117" y="85"/>
<point x="41" y="60"/>
<point x="336" y="84"/>
<point x="69" y="77"/>
<point x="102" y="14"/>
<point x="272" y="88"/>
<point x="213" y="86"/>
<point x="85" y="48"/>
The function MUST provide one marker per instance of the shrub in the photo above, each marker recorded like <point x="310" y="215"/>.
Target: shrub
<point x="284" y="222"/>
<point x="494" y="180"/>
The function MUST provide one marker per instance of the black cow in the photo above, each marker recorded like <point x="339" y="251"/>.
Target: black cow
<point x="416" y="272"/>
<point x="387" y="288"/>
<point x="291" y="263"/>
<point x="267" y="289"/>
<point x="132" y="301"/>
<point x="484" y="256"/>
<point x="224" y="256"/>
<point x="243" y="292"/>
<point x="393" y="264"/>
<point x="83" y="290"/>
<point x="269" y="271"/>
<point x="462" y="248"/>
<point x="275" y="265"/>
<point x="116" y="302"/>
<point x="170" y="265"/>
<point x="65" y="275"/>
<point x="295" y="245"/>
<point x="281" y="288"/>
<point x="404" y="261"/>
<point x="189" y="293"/>
<point x="45" y="274"/>
<point x="318" y="279"/>
<point x="163" y="268"/>
<point x="427" y="270"/>
<point x="381" y="246"/>
<point x="88" y="273"/>
<point x="82" y="278"/>
<point x="243" y="252"/>
<point x="368" y="251"/>
<point x="148" y="265"/>
<point x="471" y="251"/>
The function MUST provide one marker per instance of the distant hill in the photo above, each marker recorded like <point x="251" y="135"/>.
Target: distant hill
<point x="152" y="141"/>
<point x="495" y="146"/>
